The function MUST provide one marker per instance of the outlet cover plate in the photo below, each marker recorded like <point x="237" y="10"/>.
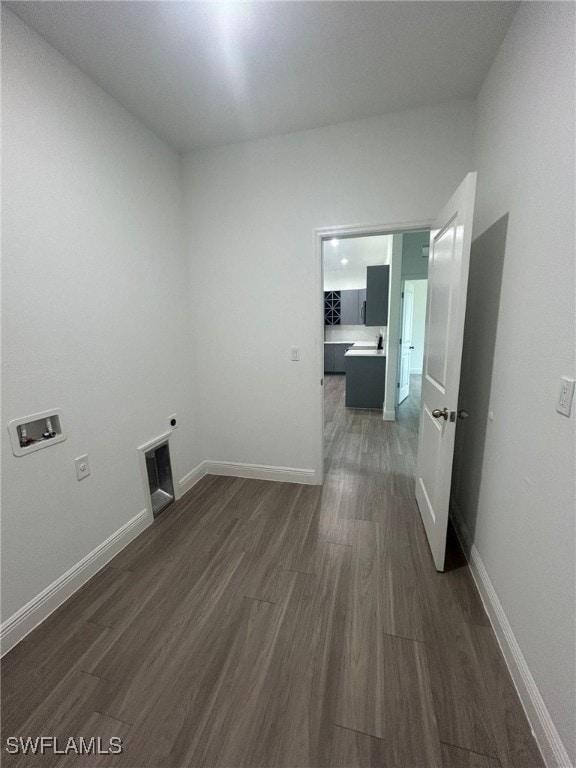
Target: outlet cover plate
<point x="564" y="404"/>
<point x="82" y="467"/>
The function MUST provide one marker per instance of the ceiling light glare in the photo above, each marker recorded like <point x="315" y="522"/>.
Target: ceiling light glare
<point x="334" y="241"/>
<point x="343" y="261"/>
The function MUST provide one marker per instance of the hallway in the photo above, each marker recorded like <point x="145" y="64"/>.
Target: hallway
<point x="273" y="624"/>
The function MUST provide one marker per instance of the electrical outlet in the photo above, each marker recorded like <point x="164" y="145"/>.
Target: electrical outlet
<point x="82" y="467"/>
<point x="294" y="354"/>
<point x="564" y="404"/>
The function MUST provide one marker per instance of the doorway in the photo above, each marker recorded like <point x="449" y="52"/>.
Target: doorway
<point x="411" y="343"/>
<point x="399" y="245"/>
<point x="448" y="249"/>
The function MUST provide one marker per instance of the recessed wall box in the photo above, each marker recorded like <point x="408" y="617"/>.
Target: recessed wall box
<point x="39" y="430"/>
<point x="157" y="473"/>
<point x="160" y="478"/>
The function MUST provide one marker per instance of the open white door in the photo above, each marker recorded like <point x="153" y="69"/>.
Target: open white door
<point x="406" y="342"/>
<point x="449" y="261"/>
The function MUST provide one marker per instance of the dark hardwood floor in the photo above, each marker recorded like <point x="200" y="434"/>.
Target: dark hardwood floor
<point x="270" y="624"/>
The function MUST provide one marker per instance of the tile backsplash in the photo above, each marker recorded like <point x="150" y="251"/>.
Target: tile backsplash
<point x="353" y="333"/>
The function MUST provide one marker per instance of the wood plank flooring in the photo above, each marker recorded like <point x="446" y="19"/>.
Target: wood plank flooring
<point x="265" y="624"/>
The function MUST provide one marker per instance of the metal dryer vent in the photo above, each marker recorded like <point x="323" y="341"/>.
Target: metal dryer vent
<point x="160" y="482"/>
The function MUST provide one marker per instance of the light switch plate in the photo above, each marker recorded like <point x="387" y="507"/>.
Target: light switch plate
<point x="564" y="404"/>
<point x="82" y="467"/>
<point x="295" y="354"/>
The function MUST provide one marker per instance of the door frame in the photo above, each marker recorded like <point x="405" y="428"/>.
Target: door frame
<point x="320" y="235"/>
<point x="399" y="366"/>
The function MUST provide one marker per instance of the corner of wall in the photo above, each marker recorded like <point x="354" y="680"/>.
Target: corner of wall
<point x="392" y="335"/>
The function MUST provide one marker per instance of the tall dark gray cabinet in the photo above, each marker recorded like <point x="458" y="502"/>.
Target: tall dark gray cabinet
<point x="377" y="287"/>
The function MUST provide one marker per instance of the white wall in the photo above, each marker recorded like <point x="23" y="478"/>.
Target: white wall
<point x="414" y="265"/>
<point x="251" y="211"/>
<point x="95" y="296"/>
<point x="350" y="280"/>
<point x="523" y="518"/>
<point x="418" y="323"/>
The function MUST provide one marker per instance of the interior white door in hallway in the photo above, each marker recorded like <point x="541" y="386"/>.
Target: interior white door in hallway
<point x="449" y="261"/>
<point x="406" y="346"/>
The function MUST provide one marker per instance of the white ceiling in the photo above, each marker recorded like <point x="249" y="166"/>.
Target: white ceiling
<point x="359" y="251"/>
<point x="207" y="73"/>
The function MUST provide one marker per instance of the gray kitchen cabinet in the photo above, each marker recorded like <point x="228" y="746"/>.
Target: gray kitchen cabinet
<point x="377" y="286"/>
<point x="339" y="352"/>
<point x="334" y="357"/>
<point x="361" y="306"/>
<point x="352" y="307"/>
<point x="349" y="312"/>
<point x="328" y="358"/>
<point x="365" y="381"/>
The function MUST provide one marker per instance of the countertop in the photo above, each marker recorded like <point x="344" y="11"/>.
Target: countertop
<point x="365" y="353"/>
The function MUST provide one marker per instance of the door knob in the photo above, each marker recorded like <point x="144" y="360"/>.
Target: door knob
<point x="410" y="347"/>
<point x="462" y="414"/>
<point x="437" y="413"/>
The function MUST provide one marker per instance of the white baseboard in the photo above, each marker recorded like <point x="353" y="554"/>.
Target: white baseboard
<point x="261" y="472"/>
<point x="389" y="415"/>
<point x="15" y="629"/>
<point x="543" y="728"/>
<point x="189" y="480"/>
